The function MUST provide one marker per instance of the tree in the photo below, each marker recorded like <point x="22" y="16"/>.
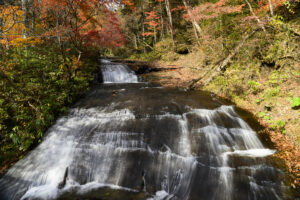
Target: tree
<point x="1" y="20"/>
<point x="11" y="19"/>
<point x="197" y="29"/>
<point x="211" y="10"/>
<point x="167" y="2"/>
<point x="254" y="15"/>
<point x="25" y="8"/>
<point x="109" y="36"/>
<point x="153" y="22"/>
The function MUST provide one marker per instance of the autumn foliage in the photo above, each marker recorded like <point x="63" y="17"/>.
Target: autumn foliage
<point x="76" y="22"/>
<point x="265" y="6"/>
<point x="108" y="36"/>
<point x="153" y="21"/>
<point x="82" y="22"/>
<point x="11" y="28"/>
<point x="212" y="10"/>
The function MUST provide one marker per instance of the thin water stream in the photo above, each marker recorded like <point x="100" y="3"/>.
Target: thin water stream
<point x="132" y="140"/>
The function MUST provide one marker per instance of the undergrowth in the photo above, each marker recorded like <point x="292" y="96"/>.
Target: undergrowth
<point x="36" y="86"/>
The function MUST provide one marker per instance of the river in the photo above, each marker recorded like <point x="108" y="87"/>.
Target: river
<point x="129" y="139"/>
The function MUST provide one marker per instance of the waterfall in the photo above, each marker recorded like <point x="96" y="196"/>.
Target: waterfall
<point x="136" y="141"/>
<point x="117" y="73"/>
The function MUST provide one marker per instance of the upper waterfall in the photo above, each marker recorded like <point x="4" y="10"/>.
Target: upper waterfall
<point x="117" y="73"/>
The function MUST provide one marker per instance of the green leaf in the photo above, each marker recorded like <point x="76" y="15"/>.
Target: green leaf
<point x="261" y="114"/>
<point x="296" y="102"/>
<point x="40" y="134"/>
<point x="281" y="123"/>
<point x="267" y="117"/>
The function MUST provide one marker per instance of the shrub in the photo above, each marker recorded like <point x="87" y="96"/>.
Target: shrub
<point x="296" y="102"/>
<point x="36" y="85"/>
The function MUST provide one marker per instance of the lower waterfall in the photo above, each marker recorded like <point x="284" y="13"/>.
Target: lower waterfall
<point x="139" y="141"/>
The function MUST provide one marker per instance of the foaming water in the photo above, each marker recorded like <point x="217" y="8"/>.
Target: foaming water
<point x="51" y="192"/>
<point x="117" y="73"/>
<point x="254" y="152"/>
<point x="150" y="144"/>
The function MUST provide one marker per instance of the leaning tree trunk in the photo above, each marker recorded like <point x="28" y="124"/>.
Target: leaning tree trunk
<point x="197" y="28"/>
<point x="252" y="12"/>
<point x="170" y="20"/>
<point x="229" y="57"/>
<point x="271" y="8"/>
<point x="217" y="70"/>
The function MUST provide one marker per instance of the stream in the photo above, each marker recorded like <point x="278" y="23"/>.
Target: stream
<point x="129" y="139"/>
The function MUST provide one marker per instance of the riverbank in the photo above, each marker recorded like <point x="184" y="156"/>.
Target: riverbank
<point x="271" y="108"/>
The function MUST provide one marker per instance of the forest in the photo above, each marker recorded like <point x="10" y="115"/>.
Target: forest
<point x="247" y="51"/>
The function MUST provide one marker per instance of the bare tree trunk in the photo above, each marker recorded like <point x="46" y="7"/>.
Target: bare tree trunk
<point x="170" y="20"/>
<point x="196" y="26"/>
<point x="155" y="39"/>
<point x="135" y="42"/>
<point x="143" y="39"/>
<point x="252" y="12"/>
<point x="271" y="8"/>
<point x="161" y="22"/>
<point x="138" y="39"/>
<point x="143" y="27"/>
<point x="33" y="18"/>
<point x="25" y="9"/>
<point x="1" y="28"/>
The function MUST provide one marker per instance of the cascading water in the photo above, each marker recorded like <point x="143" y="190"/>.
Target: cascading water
<point x="137" y="141"/>
<point x="117" y="73"/>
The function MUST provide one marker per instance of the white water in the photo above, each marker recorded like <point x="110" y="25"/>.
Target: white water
<point x="117" y="73"/>
<point x="189" y="154"/>
<point x="51" y="192"/>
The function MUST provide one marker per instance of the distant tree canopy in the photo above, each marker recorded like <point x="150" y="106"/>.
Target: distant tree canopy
<point x="149" y="22"/>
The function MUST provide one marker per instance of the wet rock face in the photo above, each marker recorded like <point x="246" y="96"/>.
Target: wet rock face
<point x="182" y="145"/>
